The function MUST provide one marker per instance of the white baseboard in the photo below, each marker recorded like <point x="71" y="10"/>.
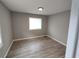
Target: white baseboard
<point x="28" y="38"/>
<point x="19" y="40"/>
<point x="31" y="38"/>
<point x="8" y="49"/>
<point x="56" y="40"/>
<point x="41" y="36"/>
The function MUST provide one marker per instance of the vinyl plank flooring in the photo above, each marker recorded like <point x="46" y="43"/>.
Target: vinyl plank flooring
<point x="43" y="47"/>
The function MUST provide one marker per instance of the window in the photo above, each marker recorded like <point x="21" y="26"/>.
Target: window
<point x="0" y="38"/>
<point x="35" y="23"/>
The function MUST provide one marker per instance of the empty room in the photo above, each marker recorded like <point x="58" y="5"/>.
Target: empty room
<point x="39" y="28"/>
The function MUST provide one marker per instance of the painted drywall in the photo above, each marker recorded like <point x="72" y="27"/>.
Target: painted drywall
<point x="5" y="27"/>
<point x="58" y="26"/>
<point x="31" y="6"/>
<point x="73" y="31"/>
<point x="77" y="48"/>
<point x="20" y="23"/>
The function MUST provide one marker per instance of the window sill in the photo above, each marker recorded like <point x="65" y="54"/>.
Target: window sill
<point x="34" y="29"/>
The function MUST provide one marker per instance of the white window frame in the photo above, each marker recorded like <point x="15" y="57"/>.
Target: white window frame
<point x="34" y="24"/>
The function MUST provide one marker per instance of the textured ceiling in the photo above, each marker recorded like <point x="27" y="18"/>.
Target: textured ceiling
<point x="30" y="6"/>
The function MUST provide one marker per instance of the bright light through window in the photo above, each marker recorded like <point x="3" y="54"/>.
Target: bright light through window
<point x="0" y="38"/>
<point x="0" y="42"/>
<point x="35" y="23"/>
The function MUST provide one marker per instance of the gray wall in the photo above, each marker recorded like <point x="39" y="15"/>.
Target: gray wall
<point x="20" y="22"/>
<point x="58" y="26"/>
<point x="5" y="26"/>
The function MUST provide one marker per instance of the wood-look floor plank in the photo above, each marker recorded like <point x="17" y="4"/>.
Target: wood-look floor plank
<point x="43" y="47"/>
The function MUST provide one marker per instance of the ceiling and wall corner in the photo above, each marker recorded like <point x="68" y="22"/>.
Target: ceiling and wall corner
<point x="4" y="5"/>
<point x="31" y="6"/>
